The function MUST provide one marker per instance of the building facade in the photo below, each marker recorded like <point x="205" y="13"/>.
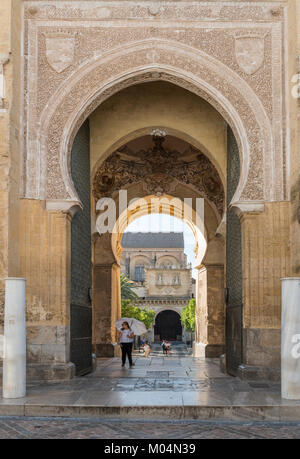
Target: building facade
<point x="156" y="262"/>
<point x="85" y="88"/>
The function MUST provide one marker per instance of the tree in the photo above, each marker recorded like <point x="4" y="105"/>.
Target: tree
<point x="127" y="292"/>
<point x="188" y="316"/>
<point x="147" y="316"/>
<point x="130" y="310"/>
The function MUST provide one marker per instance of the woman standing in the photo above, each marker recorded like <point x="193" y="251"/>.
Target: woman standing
<point x="125" y="339"/>
<point x="168" y="348"/>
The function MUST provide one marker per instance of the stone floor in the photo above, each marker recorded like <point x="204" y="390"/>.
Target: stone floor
<point x="49" y="428"/>
<point x="175" y="387"/>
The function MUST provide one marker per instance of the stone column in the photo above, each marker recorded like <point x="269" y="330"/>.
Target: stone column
<point x="290" y="339"/>
<point x="106" y="307"/>
<point x="14" y="357"/>
<point x="215" y="310"/>
<point x="210" y="318"/>
<point x="201" y="313"/>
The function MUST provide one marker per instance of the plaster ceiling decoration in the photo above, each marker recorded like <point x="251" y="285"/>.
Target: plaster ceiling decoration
<point x="159" y="168"/>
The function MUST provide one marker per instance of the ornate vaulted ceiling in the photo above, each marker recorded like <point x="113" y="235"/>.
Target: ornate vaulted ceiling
<point x="160" y="167"/>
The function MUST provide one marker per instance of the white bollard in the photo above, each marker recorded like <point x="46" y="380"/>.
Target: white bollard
<point x="290" y="339"/>
<point x="14" y="356"/>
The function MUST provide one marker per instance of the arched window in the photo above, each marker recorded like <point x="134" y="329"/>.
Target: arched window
<point x="139" y="273"/>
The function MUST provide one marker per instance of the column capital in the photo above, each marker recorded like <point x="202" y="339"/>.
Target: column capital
<point x="64" y="206"/>
<point x="241" y="208"/>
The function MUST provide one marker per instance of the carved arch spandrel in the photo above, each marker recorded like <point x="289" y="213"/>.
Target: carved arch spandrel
<point x="178" y="64"/>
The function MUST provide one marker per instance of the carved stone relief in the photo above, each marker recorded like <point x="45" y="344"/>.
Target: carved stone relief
<point x="60" y="50"/>
<point x="250" y="52"/>
<point x="158" y="168"/>
<point x="76" y="51"/>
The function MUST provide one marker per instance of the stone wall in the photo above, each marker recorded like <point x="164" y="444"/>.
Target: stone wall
<point x="294" y="120"/>
<point x="167" y="287"/>
<point x="5" y="105"/>
<point x="266" y="259"/>
<point x="44" y="245"/>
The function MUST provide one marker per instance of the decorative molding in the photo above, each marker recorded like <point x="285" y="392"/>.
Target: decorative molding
<point x="244" y="207"/>
<point x="65" y="206"/>
<point x="177" y="10"/>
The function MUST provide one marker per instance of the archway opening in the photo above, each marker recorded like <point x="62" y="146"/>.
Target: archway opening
<point x="168" y="326"/>
<point x="159" y="173"/>
<point x="158" y="258"/>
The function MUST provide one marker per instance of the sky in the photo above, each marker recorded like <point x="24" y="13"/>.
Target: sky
<point x="165" y="223"/>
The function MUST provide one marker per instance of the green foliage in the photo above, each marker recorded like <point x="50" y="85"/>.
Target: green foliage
<point x="144" y="315"/>
<point x="188" y="316"/>
<point x="147" y="316"/>
<point x="127" y="292"/>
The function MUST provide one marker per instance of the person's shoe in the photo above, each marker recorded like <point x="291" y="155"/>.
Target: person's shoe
<point x="132" y="365"/>
<point x="123" y="365"/>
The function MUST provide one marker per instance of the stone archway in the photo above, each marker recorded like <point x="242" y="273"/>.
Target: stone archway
<point x="250" y="93"/>
<point x="150" y="171"/>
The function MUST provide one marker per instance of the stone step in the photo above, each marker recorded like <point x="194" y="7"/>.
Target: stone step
<point x="234" y="413"/>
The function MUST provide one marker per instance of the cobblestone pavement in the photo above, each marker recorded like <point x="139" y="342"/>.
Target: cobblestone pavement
<point x="34" y="428"/>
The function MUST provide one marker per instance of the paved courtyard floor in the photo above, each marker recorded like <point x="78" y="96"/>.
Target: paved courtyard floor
<point x="178" y="387"/>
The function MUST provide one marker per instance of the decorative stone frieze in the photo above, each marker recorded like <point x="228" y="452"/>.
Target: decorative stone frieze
<point x="77" y="54"/>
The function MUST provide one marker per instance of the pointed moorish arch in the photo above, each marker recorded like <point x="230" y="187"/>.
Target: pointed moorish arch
<point x="153" y="60"/>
